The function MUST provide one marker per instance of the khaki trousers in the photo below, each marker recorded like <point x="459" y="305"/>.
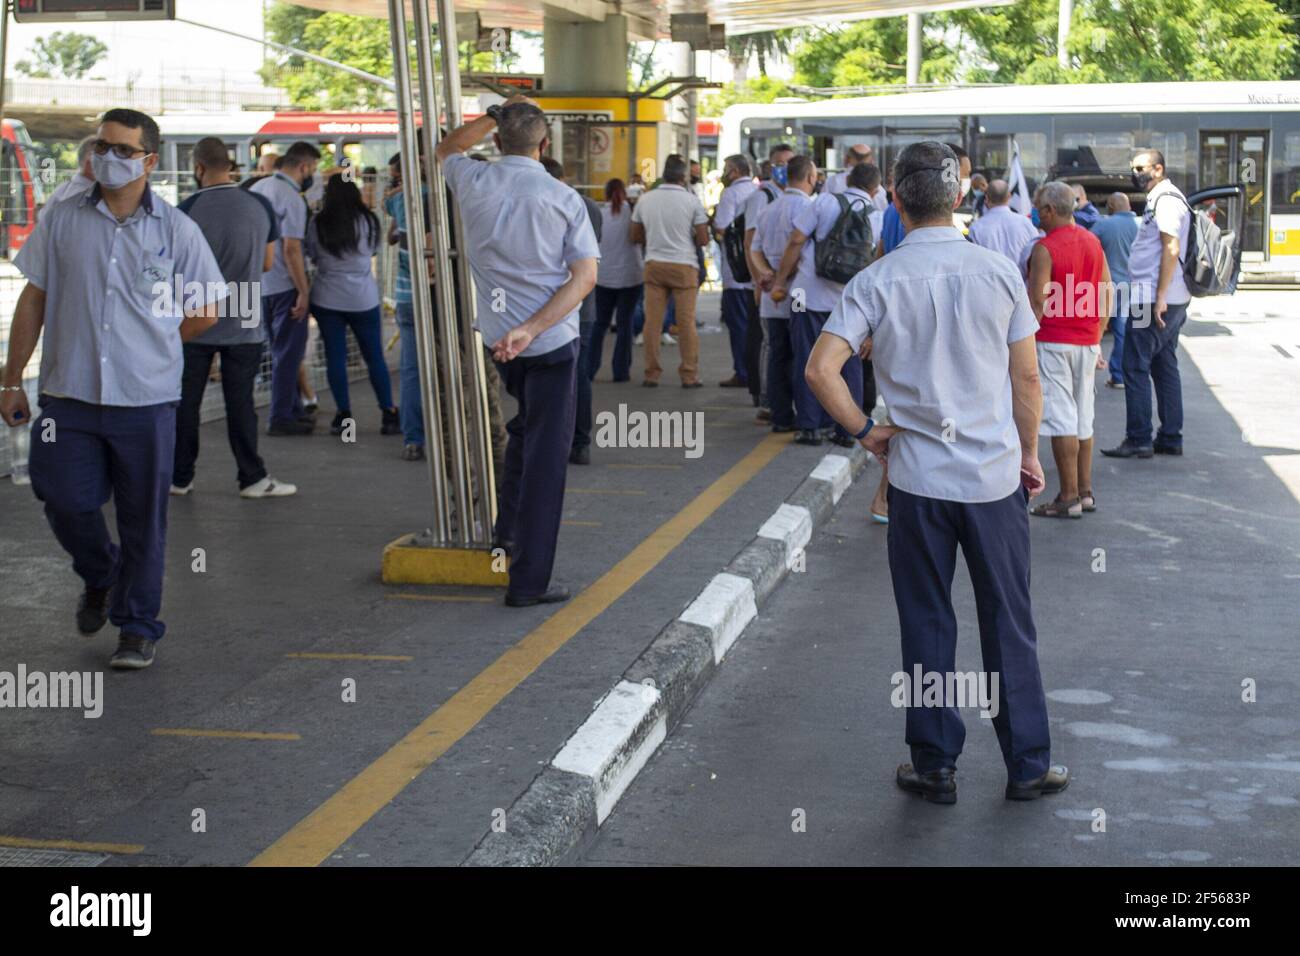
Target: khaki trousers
<point x="663" y="279"/>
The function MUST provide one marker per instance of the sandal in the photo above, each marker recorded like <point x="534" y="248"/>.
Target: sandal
<point x="1056" y="508"/>
<point x="1088" y="500"/>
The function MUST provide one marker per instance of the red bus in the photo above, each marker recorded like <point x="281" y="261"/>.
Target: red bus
<point x="22" y="190"/>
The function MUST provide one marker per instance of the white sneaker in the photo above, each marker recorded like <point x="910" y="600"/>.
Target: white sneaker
<point x="268" y="487"/>
<point x="180" y="492"/>
<point x="668" y="339"/>
<point x="639" y="340"/>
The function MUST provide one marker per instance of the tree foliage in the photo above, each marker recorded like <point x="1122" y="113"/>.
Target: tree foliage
<point x="62" y="54"/>
<point x="761" y="89"/>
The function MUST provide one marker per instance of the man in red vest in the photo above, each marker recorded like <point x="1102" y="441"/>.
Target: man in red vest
<point x="1070" y="292"/>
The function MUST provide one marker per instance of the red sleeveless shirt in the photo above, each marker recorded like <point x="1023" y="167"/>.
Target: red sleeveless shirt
<point x="1071" y="312"/>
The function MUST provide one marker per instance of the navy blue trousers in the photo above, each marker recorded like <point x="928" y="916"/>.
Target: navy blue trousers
<point x="612" y="302"/>
<point x="735" y="316"/>
<point x="1151" y="355"/>
<point x="780" y="371"/>
<point x="98" y="452"/>
<point x="994" y="536"/>
<point x="288" y="341"/>
<point x="537" y="458"/>
<point x="805" y="327"/>
<point x="582" y="413"/>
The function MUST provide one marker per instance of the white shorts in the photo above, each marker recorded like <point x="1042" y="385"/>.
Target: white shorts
<point x="1069" y="377"/>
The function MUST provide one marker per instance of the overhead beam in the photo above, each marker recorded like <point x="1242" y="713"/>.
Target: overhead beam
<point x="577" y="11"/>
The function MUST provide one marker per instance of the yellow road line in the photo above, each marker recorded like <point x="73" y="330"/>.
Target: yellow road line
<point x="602" y="491"/>
<point x="23" y="843"/>
<point x="321" y="832"/>
<point x="221" y="734"/>
<point x="454" y="598"/>
<point x="310" y="656"/>
<point x="582" y="524"/>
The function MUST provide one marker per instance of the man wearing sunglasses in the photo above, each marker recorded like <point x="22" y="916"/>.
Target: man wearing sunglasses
<point x="116" y="280"/>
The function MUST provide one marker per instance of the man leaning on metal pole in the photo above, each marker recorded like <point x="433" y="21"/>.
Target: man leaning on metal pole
<point x="533" y="256"/>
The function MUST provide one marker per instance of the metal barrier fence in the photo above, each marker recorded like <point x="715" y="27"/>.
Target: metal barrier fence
<point x="213" y="408"/>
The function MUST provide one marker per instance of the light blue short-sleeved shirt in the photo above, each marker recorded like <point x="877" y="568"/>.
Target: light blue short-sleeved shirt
<point x="346" y="283"/>
<point x="112" y="309"/>
<point x="732" y="205"/>
<point x="771" y="238"/>
<point x="523" y="229"/>
<point x="621" y="262"/>
<point x="291" y="216"/>
<point x="816" y="220"/>
<point x="941" y="313"/>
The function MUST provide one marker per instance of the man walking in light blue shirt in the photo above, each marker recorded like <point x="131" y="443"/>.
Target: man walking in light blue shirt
<point x="1117" y="230"/>
<point x="533" y="254"/>
<point x="952" y="337"/>
<point x="117" y="280"/>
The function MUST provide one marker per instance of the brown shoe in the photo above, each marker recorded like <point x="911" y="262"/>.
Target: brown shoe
<point x="1057" y="508"/>
<point x="763" y="417"/>
<point x="733" y="382"/>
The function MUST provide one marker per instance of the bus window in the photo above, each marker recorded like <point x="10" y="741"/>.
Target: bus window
<point x="902" y="131"/>
<point x="996" y="138"/>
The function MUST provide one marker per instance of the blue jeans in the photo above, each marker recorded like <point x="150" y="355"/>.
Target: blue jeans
<point x="365" y="325"/>
<point x="110" y="451"/>
<point x="412" y="410"/>
<point x="1118" y="328"/>
<point x="1151" y="355"/>
<point x="780" y="372"/>
<point x="610" y="303"/>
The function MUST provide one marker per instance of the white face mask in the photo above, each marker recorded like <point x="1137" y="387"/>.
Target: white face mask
<point x="965" y="185"/>
<point x="114" y="172"/>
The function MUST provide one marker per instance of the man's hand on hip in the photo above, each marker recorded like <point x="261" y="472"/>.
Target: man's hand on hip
<point x="876" y="441"/>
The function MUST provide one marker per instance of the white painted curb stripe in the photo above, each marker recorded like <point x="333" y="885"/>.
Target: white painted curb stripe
<point x="597" y="748"/>
<point x="725" y="607"/>
<point x="837" y="470"/>
<point x="792" y="526"/>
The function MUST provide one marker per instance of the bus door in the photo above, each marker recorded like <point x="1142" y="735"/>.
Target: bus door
<point x="1237" y="156"/>
<point x="1229" y="207"/>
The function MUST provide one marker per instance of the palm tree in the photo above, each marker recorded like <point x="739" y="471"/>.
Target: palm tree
<point x="770" y="43"/>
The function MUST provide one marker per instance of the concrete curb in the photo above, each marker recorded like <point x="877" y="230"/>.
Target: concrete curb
<point x="573" y="795"/>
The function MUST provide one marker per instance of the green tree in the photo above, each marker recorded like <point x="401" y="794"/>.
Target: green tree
<point x="62" y="54"/>
<point x="871" y="53"/>
<point x="769" y="44"/>
<point x="361" y="42"/>
<point x="761" y="89"/>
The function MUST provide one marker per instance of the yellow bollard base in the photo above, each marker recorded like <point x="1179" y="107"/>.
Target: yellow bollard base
<point x="411" y="559"/>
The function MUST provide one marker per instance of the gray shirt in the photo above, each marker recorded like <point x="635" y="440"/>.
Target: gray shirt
<point x="941" y="313"/>
<point x="112" y="312"/>
<point x="238" y="224"/>
<point x="731" y="206"/>
<point x="816" y="220"/>
<point x="346" y="282"/>
<point x="291" y="216"/>
<point x="523" y="229"/>
<point x="621" y="265"/>
<point x="1003" y="230"/>
<point x="587" y="311"/>
<point x="670" y="213"/>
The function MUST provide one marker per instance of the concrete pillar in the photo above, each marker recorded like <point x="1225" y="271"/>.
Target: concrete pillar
<point x="585" y="56"/>
<point x="914" y="48"/>
<point x="684" y="65"/>
<point x="1064" y="15"/>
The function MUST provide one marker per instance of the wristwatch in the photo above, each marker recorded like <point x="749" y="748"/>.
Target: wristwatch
<point x="494" y="111"/>
<point x="865" y="428"/>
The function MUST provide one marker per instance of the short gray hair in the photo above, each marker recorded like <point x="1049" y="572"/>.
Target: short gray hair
<point x="740" y="163"/>
<point x="926" y="180"/>
<point x="521" y="129"/>
<point x="84" y="149"/>
<point x="1060" y="197"/>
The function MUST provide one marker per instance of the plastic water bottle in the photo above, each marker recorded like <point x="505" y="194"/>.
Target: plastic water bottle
<point x="20" y="442"/>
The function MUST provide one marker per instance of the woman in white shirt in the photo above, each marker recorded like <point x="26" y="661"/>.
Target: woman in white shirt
<point x="618" y="282"/>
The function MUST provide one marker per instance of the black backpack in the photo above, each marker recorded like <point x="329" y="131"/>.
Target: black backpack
<point x="847" y="248"/>
<point x="733" y="244"/>
<point x="1209" y="261"/>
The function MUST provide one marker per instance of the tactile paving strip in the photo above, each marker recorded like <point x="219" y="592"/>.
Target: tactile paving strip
<point x="13" y="856"/>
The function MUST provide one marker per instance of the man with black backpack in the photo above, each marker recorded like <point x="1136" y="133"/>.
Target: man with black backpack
<point x="738" y="304"/>
<point x="1158" y="300"/>
<point x="831" y="242"/>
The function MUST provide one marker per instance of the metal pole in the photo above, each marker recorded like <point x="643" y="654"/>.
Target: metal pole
<point x="462" y="494"/>
<point x="415" y="230"/>
<point x="913" y="49"/>
<point x="4" y="51"/>
<point x="478" y="427"/>
<point x="1065" y="13"/>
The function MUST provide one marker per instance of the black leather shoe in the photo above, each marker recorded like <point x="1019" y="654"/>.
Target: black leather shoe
<point x="807" y="437"/>
<point x="92" y="610"/>
<point x="290" y="428"/>
<point x="1055" y="780"/>
<point x="1127" y="449"/>
<point x="1175" y="450"/>
<point x="580" y="455"/>
<point x="937" y="786"/>
<point x="553" y="596"/>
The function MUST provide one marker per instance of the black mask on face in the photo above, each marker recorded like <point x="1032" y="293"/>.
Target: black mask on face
<point x="1141" y="181"/>
<point x="306" y="183"/>
<point x="695" y="180"/>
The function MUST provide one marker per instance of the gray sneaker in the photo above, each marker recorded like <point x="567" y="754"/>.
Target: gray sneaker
<point x="413" y="453"/>
<point x="134" y="652"/>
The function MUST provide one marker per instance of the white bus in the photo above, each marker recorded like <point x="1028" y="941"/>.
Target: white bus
<point x="1245" y="135"/>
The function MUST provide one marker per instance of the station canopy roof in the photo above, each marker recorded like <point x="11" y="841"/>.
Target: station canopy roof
<point x="649" y="19"/>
